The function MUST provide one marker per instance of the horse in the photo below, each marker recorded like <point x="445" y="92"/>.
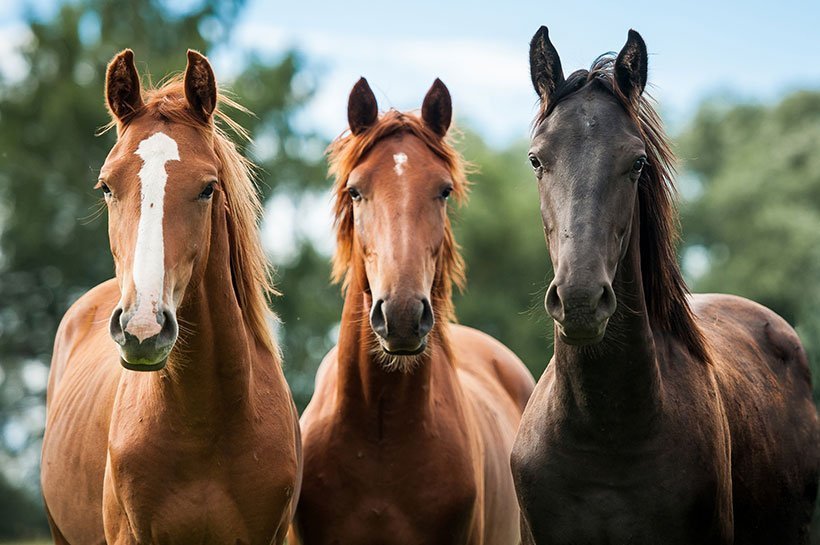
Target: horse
<point x="168" y="416"/>
<point x="408" y="435"/>
<point x="662" y="417"/>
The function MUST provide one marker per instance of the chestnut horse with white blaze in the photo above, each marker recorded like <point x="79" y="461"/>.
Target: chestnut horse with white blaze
<point x="169" y="419"/>
<point x="408" y="435"/>
<point x="662" y="417"/>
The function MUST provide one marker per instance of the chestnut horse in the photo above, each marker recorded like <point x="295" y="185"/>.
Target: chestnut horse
<point x="408" y="435"/>
<point x="662" y="418"/>
<point x="203" y="445"/>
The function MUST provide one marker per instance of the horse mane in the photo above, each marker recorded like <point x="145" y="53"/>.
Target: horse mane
<point x="250" y="270"/>
<point x="347" y="151"/>
<point x="665" y="290"/>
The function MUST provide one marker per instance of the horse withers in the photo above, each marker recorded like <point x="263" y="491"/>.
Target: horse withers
<point x="408" y="435"/>
<point x="169" y="419"/>
<point x="662" y="417"/>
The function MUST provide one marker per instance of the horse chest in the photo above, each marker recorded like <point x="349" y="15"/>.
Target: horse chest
<point x="163" y="487"/>
<point x="579" y="494"/>
<point x="384" y="519"/>
<point x="405" y="492"/>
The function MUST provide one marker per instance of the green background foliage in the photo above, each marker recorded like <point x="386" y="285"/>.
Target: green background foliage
<point x="755" y="171"/>
<point x="751" y="218"/>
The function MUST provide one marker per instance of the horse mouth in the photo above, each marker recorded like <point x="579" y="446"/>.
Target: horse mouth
<point x="150" y="355"/>
<point x="403" y="351"/>
<point x="578" y="338"/>
<point x="156" y="366"/>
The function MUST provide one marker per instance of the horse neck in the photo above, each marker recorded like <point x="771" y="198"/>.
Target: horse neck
<point x="616" y="383"/>
<point x="365" y="387"/>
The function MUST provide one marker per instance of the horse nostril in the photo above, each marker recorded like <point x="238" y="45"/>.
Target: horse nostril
<point x="170" y="329"/>
<point x="553" y="303"/>
<point x="427" y="320"/>
<point x="607" y="303"/>
<point x="377" y="319"/>
<point x="115" y="327"/>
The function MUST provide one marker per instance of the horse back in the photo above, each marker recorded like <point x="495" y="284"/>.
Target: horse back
<point x="82" y="384"/>
<point x="763" y="376"/>
<point x="492" y="364"/>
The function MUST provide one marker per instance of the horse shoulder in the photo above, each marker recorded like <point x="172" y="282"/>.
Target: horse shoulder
<point x="80" y="395"/>
<point x="497" y="385"/>
<point x="482" y="355"/>
<point x="323" y="401"/>
<point x="763" y="376"/>
<point x="82" y="319"/>
<point x="318" y="420"/>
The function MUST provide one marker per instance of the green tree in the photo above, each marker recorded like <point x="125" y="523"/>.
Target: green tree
<point x="755" y="173"/>
<point x="508" y="267"/>
<point x="291" y="163"/>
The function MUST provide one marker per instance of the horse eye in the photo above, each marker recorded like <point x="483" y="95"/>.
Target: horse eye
<point x="208" y="192"/>
<point x="638" y="165"/>
<point x="445" y="193"/>
<point x="105" y="189"/>
<point x="354" y="194"/>
<point x="534" y="161"/>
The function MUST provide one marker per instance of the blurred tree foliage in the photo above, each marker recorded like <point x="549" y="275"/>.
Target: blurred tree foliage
<point x="502" y="239"/>
<point x="755" y="214"/>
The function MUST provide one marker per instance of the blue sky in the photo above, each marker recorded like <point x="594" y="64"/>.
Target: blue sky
<point x="752" y="50"/>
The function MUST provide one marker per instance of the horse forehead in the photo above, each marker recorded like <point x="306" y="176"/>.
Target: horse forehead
<point x="406" y="157"/>
<point x="158" y="148"/>
<point x="590" y="111"/>
<point x="158" y="140"/>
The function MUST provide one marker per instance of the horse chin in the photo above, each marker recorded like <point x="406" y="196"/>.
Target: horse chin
<point x="148" y="366"/>
<point x="401" y="360"/>
<point x="581" y="338"/>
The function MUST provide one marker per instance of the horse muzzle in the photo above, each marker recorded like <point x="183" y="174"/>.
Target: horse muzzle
<point x="402" y="326"/>
<point x="144" y="341"/>
<point x="581" y="313"/>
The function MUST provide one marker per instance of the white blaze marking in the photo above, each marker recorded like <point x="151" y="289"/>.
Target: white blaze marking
<point x="401" y="160"/>
<point x="149" y="256"/>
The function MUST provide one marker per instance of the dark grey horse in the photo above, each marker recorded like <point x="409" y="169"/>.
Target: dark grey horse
<point x="662" y="418"/>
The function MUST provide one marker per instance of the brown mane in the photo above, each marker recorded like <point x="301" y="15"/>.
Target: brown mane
<point x="249" y="266"/>
<point x="664" y="288"/>
<point x="347" y="151"/>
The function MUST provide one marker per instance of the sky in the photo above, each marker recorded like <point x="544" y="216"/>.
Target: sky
<point x="750" y="50"/>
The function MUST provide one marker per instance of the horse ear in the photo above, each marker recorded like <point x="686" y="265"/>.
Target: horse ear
<point x="437" y="108"/>
<point x="123" y="91"/>
<point x="200" y="85"/>
<point x="362" y="109"/>
<point x="631" y="66"/>
<point x="545" y="65"/>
